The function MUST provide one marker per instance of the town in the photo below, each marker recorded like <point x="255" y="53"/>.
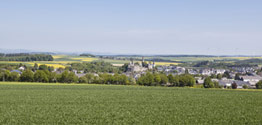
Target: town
<point x="136" y="72"/>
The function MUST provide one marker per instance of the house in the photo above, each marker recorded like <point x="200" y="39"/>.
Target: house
<point x="136" y="76"/>
<point x="22" y="68"/>
<point x="132" y="67"/>
<point x="240" y="84"/>
<point x="220" y="71"/>
<point x="226" y="82"/>
<point x="58" y="71"/>
<point x="74" y="71"/>
<point x="80" y="75"/>
<point x="253" y="80"/>
<point x="192" y="71"/>
<point x="214" y="80"/>
<point x="206" y="72"/>
<point x="199" y="80"/>
<point x="17" y="71"/>
<point x="95" y="74"/>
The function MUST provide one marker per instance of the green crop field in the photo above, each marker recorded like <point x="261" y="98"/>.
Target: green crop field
<point x="39" y="103"/>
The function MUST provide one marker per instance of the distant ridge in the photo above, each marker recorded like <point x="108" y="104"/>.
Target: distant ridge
<point x="10" y="51"/>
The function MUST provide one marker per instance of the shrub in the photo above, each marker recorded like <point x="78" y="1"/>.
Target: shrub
<point x="259" y="85"/>
<point x="208" y="83"/>
<point x="234" y="86"/>
<point x="245" y="86"/>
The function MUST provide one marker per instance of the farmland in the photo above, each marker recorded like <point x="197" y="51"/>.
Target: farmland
<point x="40" y="103"/>
<point x="61" y="61"/>
<point x="192" y="59"/>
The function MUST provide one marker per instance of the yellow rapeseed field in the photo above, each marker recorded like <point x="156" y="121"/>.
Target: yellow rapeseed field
<point x="32" y="63"/>
<point x="16" y="62"/>
<point x="58" y="56"/>
<point x="85" y="59"/>
<point x="165" y="63"/>
<point x="56" y="65"/>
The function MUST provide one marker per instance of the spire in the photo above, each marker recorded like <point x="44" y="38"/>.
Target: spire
<point x="153" y="64"/>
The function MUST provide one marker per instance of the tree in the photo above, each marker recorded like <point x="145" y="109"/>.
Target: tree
<point x="14" y="76"/>
<point x="208" y="83"/>
<point x="234" y="85"/>
<point x="144" y="64"/>
<point x="237" y="76"/>
<point x="27" y="76"/>
<point x="171" y="78"/>
<point x="124" y="68"/>
<point x="176" y="81"/>
<point x="35" y="67"/>
<point x="213" y="76"/>
<point x="216" y="84"/>
<point x="245" y="86"/>
<point x="226" y="74"/>
<point x="52" y="77"/>
<point x="51" y="68"/>
<point x="83" y="79"/>
<point x="123" y="79"/>
<point x="90" y="78"/>
<point x="63" y="77"/>
<point x="132" y="81"/>
<point x="157" y="79"/>
<point x="149" y="79"/>
<point x="219" y="76"/>
<point x="5" y="75"/>
<point x="72" y="78"/>
<point x="259" y="85"/>
<point x="40" y="76"/>
<point x="43" y="67"/>
<point x="186" y="80"/>
<point x="164" y="79"/>
<point x="186" y="72"/>
<point x="146" y="80"/>
<point x="67" y="77"/>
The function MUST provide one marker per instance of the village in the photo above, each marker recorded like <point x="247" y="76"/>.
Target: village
<point x="243" y="77"/>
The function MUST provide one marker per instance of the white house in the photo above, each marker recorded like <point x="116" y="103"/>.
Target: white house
<point x="21" y="68"/>
<point x="253" y="80"/>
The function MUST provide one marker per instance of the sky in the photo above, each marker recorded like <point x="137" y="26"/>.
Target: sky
<point x="209" y="27"/>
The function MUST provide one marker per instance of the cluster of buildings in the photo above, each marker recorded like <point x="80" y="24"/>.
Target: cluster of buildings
<point x="249" y="80"/>
<point x="139" y="67"/>
<point x="135" y="70"/>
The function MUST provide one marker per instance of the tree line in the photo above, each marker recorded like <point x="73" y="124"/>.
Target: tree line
<point x="154" y="79"/>
<point x="46" y="76"/>
<point x="87" y="55"/>
<point x="94" y="67"/>
<point x="25" y="57"/>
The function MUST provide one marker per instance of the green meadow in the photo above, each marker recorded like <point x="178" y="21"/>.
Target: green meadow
<point x="40" y="103"/>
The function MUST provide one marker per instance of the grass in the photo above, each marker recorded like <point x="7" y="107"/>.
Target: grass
<point x="40" y="103"/>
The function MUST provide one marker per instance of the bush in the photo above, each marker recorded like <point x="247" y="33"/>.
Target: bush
<point x="234" y="86"/>
<point x="27" y="76"/>
<point x="83" y="79"/>
<point x="259" y="85"/>
<point x="208" y="83"/>
<point x="245" y="87"/>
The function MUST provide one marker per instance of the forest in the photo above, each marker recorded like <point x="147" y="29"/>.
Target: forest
<point x="25" y="57"/>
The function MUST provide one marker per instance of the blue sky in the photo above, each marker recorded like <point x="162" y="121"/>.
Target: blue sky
<point x="215" y="27"/>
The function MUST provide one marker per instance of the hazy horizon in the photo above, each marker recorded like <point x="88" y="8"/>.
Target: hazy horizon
<point x="201" y="27"/>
